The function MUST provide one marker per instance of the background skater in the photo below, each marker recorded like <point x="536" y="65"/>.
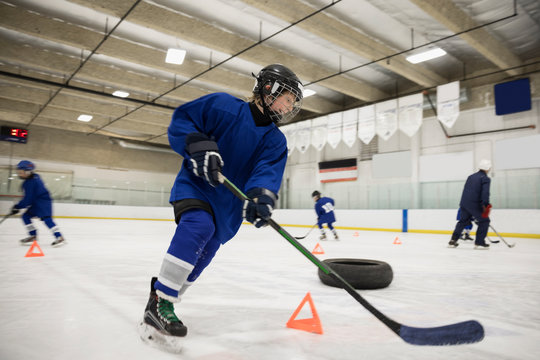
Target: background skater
<point x="475" y="204"/>
<point x="39" y="203"/>
<point x="324" y="207"/>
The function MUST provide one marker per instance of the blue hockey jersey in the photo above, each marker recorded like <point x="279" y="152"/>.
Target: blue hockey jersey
<point x="324" y="207"/>
<point x="253" y="156"/>
<point x="36" y="196"/>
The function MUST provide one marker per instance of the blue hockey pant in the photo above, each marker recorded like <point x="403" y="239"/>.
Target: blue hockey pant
<point x="192" y="248"/>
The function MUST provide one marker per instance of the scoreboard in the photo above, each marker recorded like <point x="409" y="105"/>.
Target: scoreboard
<point x="13" y="134"/>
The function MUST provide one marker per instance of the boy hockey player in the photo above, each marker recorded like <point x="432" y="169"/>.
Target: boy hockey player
<point x="38" y="201"/>
<point x="324" y="207"/>
<point x="466" y="234"/>
<point x="219" y="133"/>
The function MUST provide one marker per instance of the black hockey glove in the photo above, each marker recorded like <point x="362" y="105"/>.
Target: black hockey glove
<point x="204" y="158"/>
<point x="14" y="211"/>
<point x="259" y="209"/>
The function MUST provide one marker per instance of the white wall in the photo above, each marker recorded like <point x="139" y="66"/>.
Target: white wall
<point x="302" y="169"/>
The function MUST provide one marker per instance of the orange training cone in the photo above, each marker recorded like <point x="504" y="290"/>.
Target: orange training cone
<point x="310" y="325"/>
<point x="317" y="250"/>
<point x="397" y="241"/>
<point x="31" y="252"/>
<point x="356" y="233"/>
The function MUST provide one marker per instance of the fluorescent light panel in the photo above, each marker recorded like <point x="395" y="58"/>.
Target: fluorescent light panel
<point x="426" y="55"/>
<point x="85" y="118"/>
<point x="120" y="93"/>
<point x="175" y="56"/>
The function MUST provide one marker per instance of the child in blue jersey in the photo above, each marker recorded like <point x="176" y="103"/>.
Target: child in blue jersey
<point x="219" y="133"/>
<point x="38" y="201"/>
<point x="324" y="207"/>
<point x="466" y="234"/>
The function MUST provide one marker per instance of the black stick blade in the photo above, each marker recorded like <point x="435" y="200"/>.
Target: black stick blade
<point x="466" y="332"/>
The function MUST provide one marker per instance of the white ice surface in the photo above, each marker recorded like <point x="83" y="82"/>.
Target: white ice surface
<point x="84" y="300"/>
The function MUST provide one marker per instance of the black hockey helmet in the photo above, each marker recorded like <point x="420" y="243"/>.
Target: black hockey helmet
<point x="270" y="83"/>
<point x="315" y="193"/>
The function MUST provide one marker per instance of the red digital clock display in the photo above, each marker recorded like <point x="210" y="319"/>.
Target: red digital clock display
<point x="20" y="133"/>
<point x="13" y="134"/>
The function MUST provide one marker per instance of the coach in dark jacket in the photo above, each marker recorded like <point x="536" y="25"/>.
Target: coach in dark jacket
<point x="473" y="204"/>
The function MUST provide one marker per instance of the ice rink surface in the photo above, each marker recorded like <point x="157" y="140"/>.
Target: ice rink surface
<point x="84" y="300"/>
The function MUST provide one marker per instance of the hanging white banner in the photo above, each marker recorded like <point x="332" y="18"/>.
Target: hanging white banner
<point x="366" y="123"/>
<point x="290" y="134"/>
<point x="386" y="122"/>
<point x="303" y="135"/>
<point x="335" y="124"/>
<point x="410" y="113"/>
<point x="319" y="132"/>
<point x="448" y="103"/>
<point x="350" y="121"/>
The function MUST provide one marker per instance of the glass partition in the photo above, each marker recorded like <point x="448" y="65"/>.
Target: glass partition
<point x="516" y="190"/>
<point x="519" y="189"/>
<point x="64" y="187"/>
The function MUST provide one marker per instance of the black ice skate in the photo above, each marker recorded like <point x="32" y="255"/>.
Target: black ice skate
<point x="58" y="242"/>
<point x="466" y="237"/>
<point x="483" y="246"/>
<point x="160" y="326"/>
<point x="28" y="241"/>
<point x="453" y="243"/>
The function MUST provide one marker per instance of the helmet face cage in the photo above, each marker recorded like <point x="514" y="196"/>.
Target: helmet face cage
<point x="273" y="82"/>
<point x="279" y="89"/>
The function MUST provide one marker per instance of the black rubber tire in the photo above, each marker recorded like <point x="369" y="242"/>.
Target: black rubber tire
<point x="360" y="273"/>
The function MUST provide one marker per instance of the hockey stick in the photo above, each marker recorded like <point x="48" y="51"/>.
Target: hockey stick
<point x="492" y="241"/>
<point x="4" y="218"/>
<point x="305" y="236"/>
<point x="500" y="237"/>
<point x="465" y="332"/>
<point x="487" y="237"/>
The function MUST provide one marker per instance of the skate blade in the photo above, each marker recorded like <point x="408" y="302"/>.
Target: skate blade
<point x="59" y="244"/>
<point x="151" y="336"/>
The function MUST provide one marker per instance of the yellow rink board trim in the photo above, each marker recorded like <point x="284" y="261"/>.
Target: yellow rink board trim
<point x="447" y="232"/>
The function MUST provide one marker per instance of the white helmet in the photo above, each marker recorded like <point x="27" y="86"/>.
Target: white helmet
<point x="484" y="165"/>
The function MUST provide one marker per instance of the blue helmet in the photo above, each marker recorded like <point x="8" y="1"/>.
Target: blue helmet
<point x="26" y="165"/>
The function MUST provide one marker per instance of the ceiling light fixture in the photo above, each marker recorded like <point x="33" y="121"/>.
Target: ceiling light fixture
<point x="120" y="93"/>
<point x="426" y="55"/>
<point x="175" y="56"/>
<point x="85" y="118"/>
<point x="309" y="92"/>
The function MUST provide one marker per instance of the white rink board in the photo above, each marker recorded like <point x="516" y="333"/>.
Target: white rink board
<point x="516" y="221"/>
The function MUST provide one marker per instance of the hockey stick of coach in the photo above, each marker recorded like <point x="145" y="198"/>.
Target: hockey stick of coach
<point x="493" y="241"/>
<point x="500" y="237"/>
<point x="487" y="237"/>
<point x="305" y="236"/>
<point x="460" y="333"/>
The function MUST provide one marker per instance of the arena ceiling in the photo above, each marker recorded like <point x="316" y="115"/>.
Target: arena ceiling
<point x="64" y="58"/>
